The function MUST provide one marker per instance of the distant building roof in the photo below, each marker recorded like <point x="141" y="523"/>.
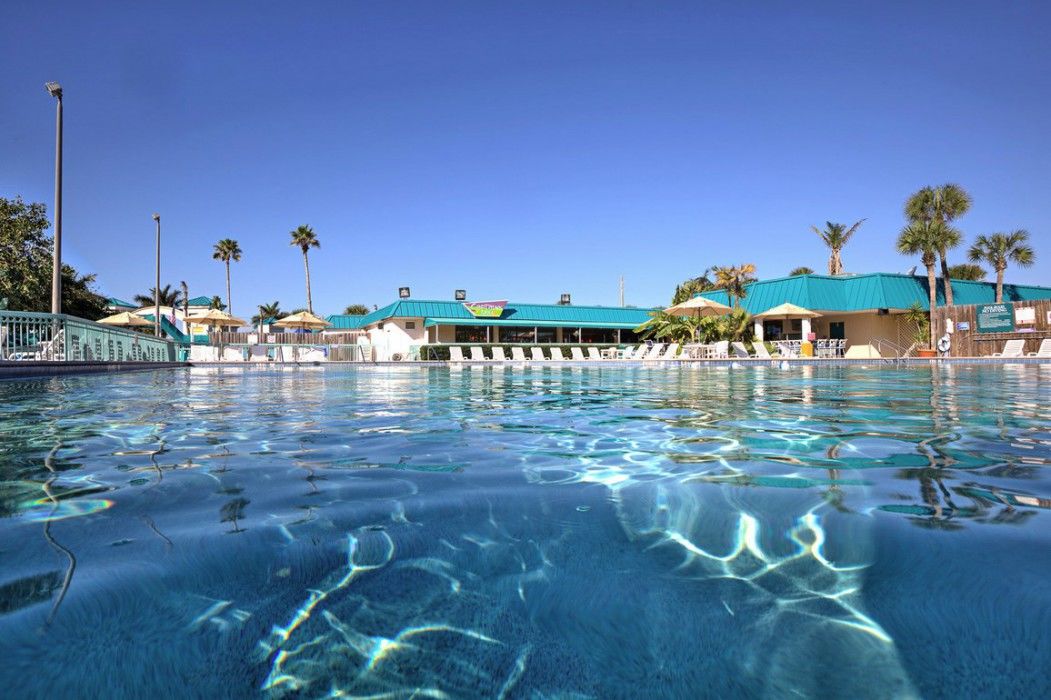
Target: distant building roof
<point x="452" y="312"/>
<point x="120" y="304"/>
<point x="878" y="290"/>
<point x="201" y="301"/>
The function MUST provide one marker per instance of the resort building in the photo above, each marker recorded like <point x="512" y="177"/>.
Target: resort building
<point x="397" y="328"/>
<point x="860" y="308"/>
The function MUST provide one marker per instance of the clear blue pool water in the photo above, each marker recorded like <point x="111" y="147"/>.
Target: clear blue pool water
<point x="527" y="533"/>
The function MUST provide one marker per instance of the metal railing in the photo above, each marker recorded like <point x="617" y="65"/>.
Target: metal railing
<point x="34" y="336"/>
<point x="283" y="338"/>
<point x="288" y="353"/>
<point x="899" y="351"/>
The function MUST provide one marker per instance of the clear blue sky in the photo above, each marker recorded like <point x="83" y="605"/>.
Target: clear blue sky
<point x="518" y="150"/>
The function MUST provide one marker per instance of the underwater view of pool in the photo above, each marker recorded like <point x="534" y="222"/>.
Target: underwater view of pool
<point x="536" y="532"/>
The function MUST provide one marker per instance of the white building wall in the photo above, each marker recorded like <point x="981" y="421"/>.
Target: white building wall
<point x="396" y="335"/>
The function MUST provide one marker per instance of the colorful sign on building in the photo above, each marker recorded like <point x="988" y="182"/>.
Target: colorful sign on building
<point x="995" y="318"/>
<point x="485" y="309"/>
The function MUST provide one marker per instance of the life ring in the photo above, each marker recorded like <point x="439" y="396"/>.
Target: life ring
<point x="944" y="343"/>
<point x="396" y="357"/>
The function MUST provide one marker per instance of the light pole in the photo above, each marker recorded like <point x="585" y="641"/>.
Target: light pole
<point x="157" y="283"/>
<point x="56" y="272"/>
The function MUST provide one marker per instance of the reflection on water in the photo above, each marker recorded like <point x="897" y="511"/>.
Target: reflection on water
<point x="528" y="532"/>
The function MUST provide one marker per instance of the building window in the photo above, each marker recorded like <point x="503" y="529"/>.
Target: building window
<point x="545" y="335"/>
<point x="410" y="325"/>
<point x="598" y="335"/>
<point x="515" y="334"/>
<point x="772" y="330"/>
<point x="470" y="334"/>
<point x="627" y="336"/>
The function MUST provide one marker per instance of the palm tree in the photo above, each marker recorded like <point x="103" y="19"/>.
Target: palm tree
<point x="836" y="236"/>
<point x="356" y="310"/>
<point x="692" y="287"/>
<point x="272" y="310"/>
<point x="967" y="271"/>
<point x="305" y="238"/>
<point x="185" y="298"/>
<point x="941" y="205"/>
<point x="664" y="326"/>
<point x="227" y="250"/>
<point x="999" y="249"/>
<point x="922" y="238"/>
<point x="216" y="303"/>
<point x="733" y="279"/>
<point x="168" y="296"/>
<point x="804" y="270"/>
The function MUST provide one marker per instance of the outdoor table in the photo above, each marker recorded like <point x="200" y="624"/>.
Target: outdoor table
<point x="610" y="353"/>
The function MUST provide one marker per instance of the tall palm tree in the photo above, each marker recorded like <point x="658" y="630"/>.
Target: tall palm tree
<point x="733" y="279"/>
<point x="185" y="298"/>
<point x="941" y="205"/>
<point x="922" y="238"/>
<point x="216" y="303"/>
<point x="227" y="250"/>
<point x="692" y="287"/>
<point x="168" y="296"/>
<point x="305" y="238"/>
<point x="1000" y="249"/>
<point x="836" y="236"/>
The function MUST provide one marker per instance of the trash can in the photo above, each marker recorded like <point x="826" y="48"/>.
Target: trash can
<point x="806" y="349"/>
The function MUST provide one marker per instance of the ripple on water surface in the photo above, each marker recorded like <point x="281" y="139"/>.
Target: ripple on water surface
<point x="528" y="532"/>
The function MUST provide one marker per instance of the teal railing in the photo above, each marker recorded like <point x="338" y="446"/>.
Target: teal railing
<point x="28" y="335"/>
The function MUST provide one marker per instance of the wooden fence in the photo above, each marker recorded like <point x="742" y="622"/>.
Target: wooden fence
<point x="969" y="342"/>
<point x="349" y="338"/>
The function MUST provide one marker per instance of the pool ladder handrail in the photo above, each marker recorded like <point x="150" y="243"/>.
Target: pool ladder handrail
<point x="901" y="352"/>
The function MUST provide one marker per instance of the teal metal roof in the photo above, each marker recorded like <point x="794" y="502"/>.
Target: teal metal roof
<point x="119" y="303"/>
<point x="870" y="291"/>
<point x="201" y="301"/>
<point x="515" y="314"/>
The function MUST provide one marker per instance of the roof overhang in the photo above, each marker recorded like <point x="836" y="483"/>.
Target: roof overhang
<point x="520" y="323"/>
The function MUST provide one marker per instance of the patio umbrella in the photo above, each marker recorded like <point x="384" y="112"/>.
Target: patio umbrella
<point x="787" y="311"/>
<point x="304" y="320"/>
<point x="698" y="307"/>
<point x="126" y="319"/>
<point x="215" y="317"/>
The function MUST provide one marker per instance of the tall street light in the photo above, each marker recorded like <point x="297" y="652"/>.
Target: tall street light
<point x="157" y="284"/>
<point x="56" y="272"/>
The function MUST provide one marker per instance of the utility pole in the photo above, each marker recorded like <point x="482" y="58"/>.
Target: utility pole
<point x="622" y="290"/>
<point x="56" y="264"/>
<point x="157" y="284"/>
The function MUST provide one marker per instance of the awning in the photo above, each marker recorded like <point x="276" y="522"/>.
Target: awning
<point x="519" y="323"/>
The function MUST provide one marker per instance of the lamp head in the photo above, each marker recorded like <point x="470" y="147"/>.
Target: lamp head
<point x="54" y="88"/>
<point x="156" y="217"/>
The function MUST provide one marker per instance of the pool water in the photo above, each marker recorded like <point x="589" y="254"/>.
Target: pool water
<point x="543" y="532"/>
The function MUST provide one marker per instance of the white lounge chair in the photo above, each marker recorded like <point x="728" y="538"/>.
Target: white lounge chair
<point x="476" y="354"/>
<point x="536" y="354"/>
<point x="556" y="354"/>
<point x="498" y="354"/>
<point x="204" y="353"/>
<point x="594" y="354"/>
<point x="233" y="355"/>
<point x="654" y="352"/>
<point x="785" y="349"/>
<point x="671" y="352"/>
<point x="456" y="354"/>
<point x="313" y="355"/>
<point x="518" y="354"/>
<point x="1044" y="350"/>
<point x="577" y="354"/>
<point x="635" y="353"/>
<point x="760" y="350"/>
<point x="739" y="349"/>
<point x="722" y="349"/>
<point x="284" y="353"/>
<point x="1012" y="348"/>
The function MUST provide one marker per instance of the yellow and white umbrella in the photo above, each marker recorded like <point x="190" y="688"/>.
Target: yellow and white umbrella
<point x="787" y="311"/>
<point x="698" y="307"/>
<point x="304" y="320"/>
<point x="215" y="317"/>
<point x="126" y="319"/>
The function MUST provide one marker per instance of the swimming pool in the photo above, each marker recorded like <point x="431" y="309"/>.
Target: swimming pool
<point x="527" y="532"/>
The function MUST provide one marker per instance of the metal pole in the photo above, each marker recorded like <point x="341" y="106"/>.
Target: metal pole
<point x="56" y="272"/>
<point x="157" y="285"/>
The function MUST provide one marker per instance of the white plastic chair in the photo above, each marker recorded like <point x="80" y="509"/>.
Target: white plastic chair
<point x="577" y="354"/>
<point x="556" y="354"/>
<point x="537" y="354"/>
<point x="498" y="354"/>
<point x="1012" y="348"/>
<point x="739" y="349"/>
<point x="760" y="350"/>
<point x="234" y="354"/>
<point x="594" y="354"/>
<point x="721" y="349"/>
<point x="1043" y="351"/>
<point x="476" y="354"/>
<point x="456" y="354"/>
<point x="518" y="354"/>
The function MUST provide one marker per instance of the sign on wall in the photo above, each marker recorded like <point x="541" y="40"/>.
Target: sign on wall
<point x="1025" y="314"/>
<point x="995" y="318"/>
<point x="485" y="309"/>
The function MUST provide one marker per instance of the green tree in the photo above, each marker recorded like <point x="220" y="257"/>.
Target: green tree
<point x="998" y="250"/>
<point x="967" y="271"/>
<point x="356" y="310"/>
<point x="836" y="237"/>
<point x="26" y="263"/>
<point x="941" y="205"/>
<point x="304" y="238"/>
<point x="734" y="278"/>
<point x="227" y="250"/>
<point x="665" y="326"/>
<point x="271" y="310"/>
<point x="801" y="271"/>
<point x="923" y="238"/>
<point x="168" y="297"/>
<point x="217" y="303"/>
<point x="692" y="287"/>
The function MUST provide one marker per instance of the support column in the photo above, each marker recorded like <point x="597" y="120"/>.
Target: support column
<point x="805" y="327"/>
<point x="757" y="326"/>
